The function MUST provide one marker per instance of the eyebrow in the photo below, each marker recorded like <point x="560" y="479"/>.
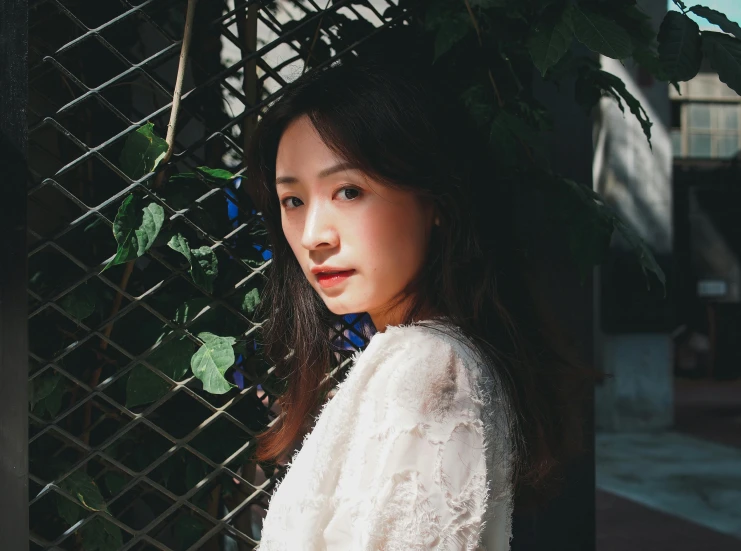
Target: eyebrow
<point x="323" y="174"/>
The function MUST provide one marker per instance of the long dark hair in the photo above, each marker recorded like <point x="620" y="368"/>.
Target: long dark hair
<point x="403" y="128"/>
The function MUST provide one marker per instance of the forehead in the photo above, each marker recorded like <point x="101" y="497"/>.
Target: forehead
<point x="301" y="142"/>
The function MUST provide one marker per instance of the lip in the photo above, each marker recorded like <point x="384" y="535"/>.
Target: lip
<point x="330" y="280"/>
<point x="319" y="269"/>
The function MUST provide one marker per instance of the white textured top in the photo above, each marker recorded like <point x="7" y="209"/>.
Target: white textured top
<point x="412" y="453"/>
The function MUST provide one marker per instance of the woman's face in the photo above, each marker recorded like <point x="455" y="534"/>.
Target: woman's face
<point x="335" y="216"/>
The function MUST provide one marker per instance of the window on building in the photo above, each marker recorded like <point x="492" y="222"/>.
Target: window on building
<point x="706" y="119"/>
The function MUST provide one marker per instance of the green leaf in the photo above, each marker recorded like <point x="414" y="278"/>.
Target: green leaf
<point x="600" y="34"/>
<point x="84" y="488"/>
<point x="124" y="230"/>
<point x="142" y="152"/>
<point x="217" y="173"/>
<point x="719" y="19"/>
<point x="190" y="309"/>
<point x="68" y="510"/>
<point x="144" y="387"/>
<point x="45" y="394"/>
<point x="203" y="261"/>
<point x="212" y="360"/>
<point x="101" y="535"/>
<point x="679" y="46"/>
<point x="591" y="222"/>
<point x="550" y="38"/>
<point x="489" y="3"/>
<point x="180" y="244"/>
<point x="250" y="301"/>
<point x="615" y="88"/>
<point x="205" y="267"/>
<point x="452" y="31"/>
<point x="173" y="358"/>
<point x="80" y="303"/>
<point x="135" y="233"/>
<point x="42" y="387"/>
<point x="114" y="482"/>
<point x="153" y="215"/>
<point x="724" y="53"/>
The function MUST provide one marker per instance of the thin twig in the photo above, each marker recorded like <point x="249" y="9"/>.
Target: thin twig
<point x="187" y="33"/>
<point x="475" y="23"/>
<point x="316" y="36"/>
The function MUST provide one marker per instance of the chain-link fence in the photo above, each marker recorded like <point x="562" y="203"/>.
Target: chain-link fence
<point x="128" y="448"/>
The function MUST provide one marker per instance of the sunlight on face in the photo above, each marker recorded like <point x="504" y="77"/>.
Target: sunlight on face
<point x="338" y="217"/>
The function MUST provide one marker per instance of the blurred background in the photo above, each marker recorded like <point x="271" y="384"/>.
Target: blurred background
<point x="668" y="443"/>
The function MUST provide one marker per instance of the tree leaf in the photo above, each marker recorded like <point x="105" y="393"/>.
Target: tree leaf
<point x="550" y="38"/>
<point x="68" y="510"/>
<point x="719" y="19"/>
<point x="84" y="488"/>
<point x="173" y="357"/>
<point x="679" y="46"/>
<point x="142" y="152"/>
<point x="217" y="173"/>
<point x="153" y="215"/>
<point x="452" y="31"/>
<point x="114" y="482"/>
<point x="600" y="34"/>
<point x="42" y="386"/>
<point x="144" y="387"/>
<point x="190" y="309"/>
<point x="45" y="394"/>
<point x="180" y="244"/>
<point x="135" y="233"/>
<point x="724" y="53"/>
<point x="124" y="230"/>
<point x="615" y="88"/>
<point x="80" y="303"/>
<point x="584" y="211"/>
<point x="203" y="262"/>
<point x="212" y="360"/>
<point x="205" y="267"/>
<point x="489" y="3"/>
<point x="250" y="301"/>
<point x="101" y="535"/>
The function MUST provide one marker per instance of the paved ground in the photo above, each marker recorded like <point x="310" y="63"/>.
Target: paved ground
<point x="680" y="491"/>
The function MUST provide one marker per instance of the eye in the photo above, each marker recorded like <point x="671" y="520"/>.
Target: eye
<point x="288" y="199"/>
<point x="352" y="189"/>
<point x="288" y="204"/>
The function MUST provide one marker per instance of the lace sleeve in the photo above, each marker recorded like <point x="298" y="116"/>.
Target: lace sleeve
<point x="422" y="476"/>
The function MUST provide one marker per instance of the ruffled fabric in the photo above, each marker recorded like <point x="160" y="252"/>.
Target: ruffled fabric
<point x="413" y="453"/>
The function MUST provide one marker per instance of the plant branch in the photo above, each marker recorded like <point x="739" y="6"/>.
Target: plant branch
<point x="177" y="94"/>
<point x="314" y="39"/>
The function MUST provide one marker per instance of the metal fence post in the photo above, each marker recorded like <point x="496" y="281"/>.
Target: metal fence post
<point x="13" y="298"/>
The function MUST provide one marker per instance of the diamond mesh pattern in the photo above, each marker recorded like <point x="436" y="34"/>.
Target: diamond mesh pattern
<point x="169" y="468"/>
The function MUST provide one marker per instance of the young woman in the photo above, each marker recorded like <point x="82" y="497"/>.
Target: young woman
<point x="379" y="196"/>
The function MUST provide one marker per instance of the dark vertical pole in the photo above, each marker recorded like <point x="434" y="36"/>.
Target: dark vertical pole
<point x="567" y="522"/>
<point x="13" y="298"/>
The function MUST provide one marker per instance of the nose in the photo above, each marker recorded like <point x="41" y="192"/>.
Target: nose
<point x="319" y="228"/>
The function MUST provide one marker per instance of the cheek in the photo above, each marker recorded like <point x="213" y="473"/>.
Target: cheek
<point x="394" y="241"/>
